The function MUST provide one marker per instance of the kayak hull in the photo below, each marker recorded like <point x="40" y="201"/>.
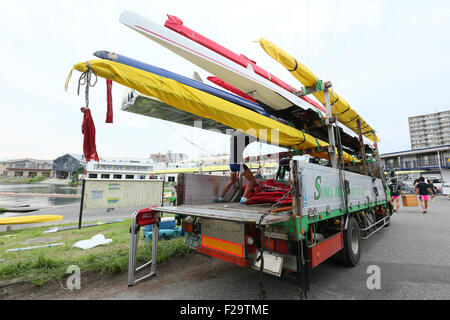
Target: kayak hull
<point x="345" y="114"/>
<point x="202" y="104"/>
<point x="29" y="219"/>
<point x="243" y="78"/>
<point x="181" y="79"/>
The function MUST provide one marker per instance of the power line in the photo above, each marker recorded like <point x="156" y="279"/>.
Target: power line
<point x="188" y="140"/>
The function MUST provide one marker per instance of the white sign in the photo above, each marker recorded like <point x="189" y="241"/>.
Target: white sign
<point x="101" y="194"/>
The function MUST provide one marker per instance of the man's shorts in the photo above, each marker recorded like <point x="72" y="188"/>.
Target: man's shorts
<point x="234" y="167"/>
<point x="424" y="197"/>
<point x="395" y="197"/>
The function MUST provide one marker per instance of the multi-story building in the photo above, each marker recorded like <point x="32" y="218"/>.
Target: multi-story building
<point x="28" y="168"/>
<point x="425" y="162"/>
<point x="159" y="157"/>
<point x="169" y="157"/>
<point x="430" y="130"/>
<point x="122" y="168"/>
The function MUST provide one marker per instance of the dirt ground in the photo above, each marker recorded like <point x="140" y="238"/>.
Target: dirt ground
<point x="95" y="286"/>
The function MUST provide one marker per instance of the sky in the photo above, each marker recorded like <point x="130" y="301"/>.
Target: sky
<point x="388" y="59"/>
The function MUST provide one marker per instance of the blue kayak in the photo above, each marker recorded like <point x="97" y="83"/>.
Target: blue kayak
<point x="183" y="80"/>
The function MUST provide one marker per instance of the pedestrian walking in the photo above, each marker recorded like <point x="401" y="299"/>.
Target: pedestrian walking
<point x="396" y="191"/>
<point x="433" y="188"/>
<point x="424" y="191"/>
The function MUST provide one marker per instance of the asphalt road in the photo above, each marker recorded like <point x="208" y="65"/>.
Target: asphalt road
<point x="71" y="214"/>
<point x="412" y="255"/>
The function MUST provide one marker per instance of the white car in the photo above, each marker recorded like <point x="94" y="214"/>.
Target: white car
<point x="446" y="189"/>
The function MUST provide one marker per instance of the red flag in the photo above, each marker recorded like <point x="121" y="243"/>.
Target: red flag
<point x="88" y="130"/>
<point x="109" y="112"/>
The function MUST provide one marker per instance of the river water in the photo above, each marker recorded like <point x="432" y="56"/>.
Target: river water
<point x="37" y="201"/>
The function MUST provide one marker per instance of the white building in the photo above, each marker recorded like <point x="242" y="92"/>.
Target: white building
<point x="123" y="168"/>
<point x="430" y="130"/>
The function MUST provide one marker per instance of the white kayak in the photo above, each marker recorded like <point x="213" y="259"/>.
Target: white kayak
<point x="245" y="79"/>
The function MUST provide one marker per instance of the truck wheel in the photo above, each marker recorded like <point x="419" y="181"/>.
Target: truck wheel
<point x="352" y="244"/>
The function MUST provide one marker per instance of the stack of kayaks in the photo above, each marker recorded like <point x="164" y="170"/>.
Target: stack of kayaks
<point x="202" y="104"/>
<point x="176" y="24"/>
<point x="238" y="74"/>
<point x="271" y="93"/>
<point x="345" y="113"/>
<point x="256" y="99"/>
<point x="181" y="79"/>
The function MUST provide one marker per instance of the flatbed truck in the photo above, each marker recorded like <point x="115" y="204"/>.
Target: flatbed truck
<point x="332" y="211"/>
<point x="334" y="207"/>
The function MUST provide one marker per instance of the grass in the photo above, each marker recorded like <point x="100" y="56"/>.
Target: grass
<point x="21" y="180"/>
<point x="45" y="264"/>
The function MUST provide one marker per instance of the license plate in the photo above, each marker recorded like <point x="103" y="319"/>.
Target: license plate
<point x="273" y="263"/>
<point x="192" y="241"/>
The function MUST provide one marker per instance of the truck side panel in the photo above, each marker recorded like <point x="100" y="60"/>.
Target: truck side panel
<point x="322" y="192"/>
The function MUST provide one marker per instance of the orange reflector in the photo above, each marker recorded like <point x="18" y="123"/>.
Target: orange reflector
<point x="235" y="249"/>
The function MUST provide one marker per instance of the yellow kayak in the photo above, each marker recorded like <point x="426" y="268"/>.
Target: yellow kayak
<point x="345" y="114"/>
<point x="205" y="105"/>
<point x="29" y="219"/>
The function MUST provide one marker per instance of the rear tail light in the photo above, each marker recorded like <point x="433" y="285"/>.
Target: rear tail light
<point x="187" y="227"/>
<point x="269" y="244"/>
<point x="277" y="245"/>
<point x="146" y="216"/>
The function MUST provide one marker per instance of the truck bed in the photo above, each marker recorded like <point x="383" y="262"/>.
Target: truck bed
<point x="227" y="211"/>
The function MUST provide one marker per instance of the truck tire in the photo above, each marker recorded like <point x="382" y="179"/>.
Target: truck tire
<point x="351" y="252"/>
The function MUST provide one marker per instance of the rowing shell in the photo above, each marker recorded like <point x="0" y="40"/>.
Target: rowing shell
<point x="346" y="115"/>
<point x="243" y="78"/>
<point x="181" y="79"/>
<point x="29" y="219"/>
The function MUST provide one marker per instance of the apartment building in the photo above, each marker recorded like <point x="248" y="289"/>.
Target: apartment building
<point x="430" y="130"/>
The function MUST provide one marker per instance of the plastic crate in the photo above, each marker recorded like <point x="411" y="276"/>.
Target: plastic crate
<point x="164" y="234"/>
<point x="166" y="223"/>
